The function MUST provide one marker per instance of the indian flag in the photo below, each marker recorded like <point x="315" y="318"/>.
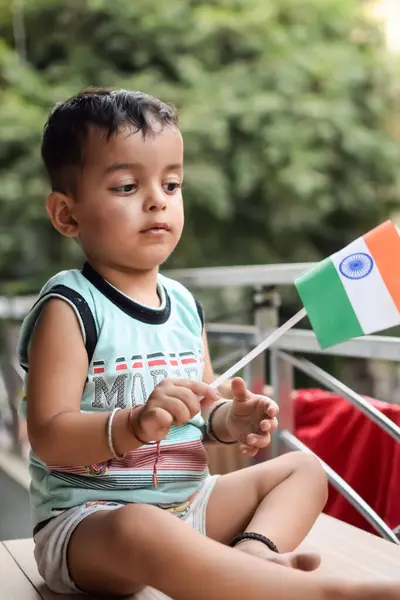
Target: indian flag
<point x="356" y="291"/>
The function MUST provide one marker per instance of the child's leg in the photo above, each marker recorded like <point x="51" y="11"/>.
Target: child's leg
<point x="280" y="499"/>
<point x="115" y="552"/>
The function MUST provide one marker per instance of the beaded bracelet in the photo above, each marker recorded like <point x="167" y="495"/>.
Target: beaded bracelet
<point x="209" y="428"/>
<point x="248" y="535"/>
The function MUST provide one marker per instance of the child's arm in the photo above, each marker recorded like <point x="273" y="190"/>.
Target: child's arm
<point x="59" y="433"/>
<point x="58" y="366"/>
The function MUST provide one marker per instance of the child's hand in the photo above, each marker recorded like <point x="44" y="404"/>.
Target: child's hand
<point x="173" y="402"/>
<point x="252" y="418"/>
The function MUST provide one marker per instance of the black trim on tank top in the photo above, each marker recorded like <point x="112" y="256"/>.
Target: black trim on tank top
<point x="145" y="314"/>
<point x="84" y="311"/>
<point x="200" y="312"/>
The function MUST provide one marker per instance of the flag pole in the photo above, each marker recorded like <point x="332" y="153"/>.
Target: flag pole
<point x="271" y="339"/>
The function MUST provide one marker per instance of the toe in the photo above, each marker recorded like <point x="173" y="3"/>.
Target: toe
<point x="306" y="562"/>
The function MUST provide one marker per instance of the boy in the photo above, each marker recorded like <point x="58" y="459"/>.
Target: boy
<point x="118" y="370"/>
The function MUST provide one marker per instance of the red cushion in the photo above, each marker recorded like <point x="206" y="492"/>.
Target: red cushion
<point x="357" y="449"/>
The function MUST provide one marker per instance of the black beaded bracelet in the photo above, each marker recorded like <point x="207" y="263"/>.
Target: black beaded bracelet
<point x="257" y="537"/>
<point x="209" y="427"/>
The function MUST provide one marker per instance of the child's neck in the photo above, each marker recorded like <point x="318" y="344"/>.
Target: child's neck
<point x="141" y="286"/>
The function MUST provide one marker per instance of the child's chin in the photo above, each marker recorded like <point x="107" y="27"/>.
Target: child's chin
<point x="151" y="260"/>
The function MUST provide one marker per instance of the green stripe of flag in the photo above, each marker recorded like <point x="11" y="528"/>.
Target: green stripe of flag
<point x="328" y="307"/>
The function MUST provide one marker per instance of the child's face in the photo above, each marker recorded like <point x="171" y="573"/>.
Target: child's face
<point x="128" y="208"/>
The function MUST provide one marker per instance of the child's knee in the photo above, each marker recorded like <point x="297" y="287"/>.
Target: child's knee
<point x="311" y="467"/>
<point x="308" y="462"/>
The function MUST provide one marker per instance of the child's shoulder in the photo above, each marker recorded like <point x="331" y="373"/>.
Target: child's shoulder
<point x="71" y="279"/>
<point x="72" y="287"/>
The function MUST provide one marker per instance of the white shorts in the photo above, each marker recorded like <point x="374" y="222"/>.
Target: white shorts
<point x="51" y="542"/>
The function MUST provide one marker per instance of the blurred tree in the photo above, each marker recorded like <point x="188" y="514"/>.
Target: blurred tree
<point x="283" y="106"/>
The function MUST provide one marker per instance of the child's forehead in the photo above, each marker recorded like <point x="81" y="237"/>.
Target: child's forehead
<point x="127" y="145"/>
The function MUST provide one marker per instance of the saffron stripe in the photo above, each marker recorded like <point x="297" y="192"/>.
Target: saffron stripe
<point x="384" y="244"/>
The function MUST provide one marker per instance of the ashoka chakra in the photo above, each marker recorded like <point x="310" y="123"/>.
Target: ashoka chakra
<point x="356" y="266"/>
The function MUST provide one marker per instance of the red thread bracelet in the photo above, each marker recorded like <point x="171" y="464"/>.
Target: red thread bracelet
<point x="155" y="477"/>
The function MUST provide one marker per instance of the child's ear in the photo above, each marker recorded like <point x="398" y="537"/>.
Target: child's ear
<point x="60" y="209"/>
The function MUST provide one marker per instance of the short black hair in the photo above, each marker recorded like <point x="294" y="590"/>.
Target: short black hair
<point x="66" y="130"/>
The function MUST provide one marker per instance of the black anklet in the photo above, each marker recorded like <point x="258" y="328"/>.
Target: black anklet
<point x="248" y="535"/>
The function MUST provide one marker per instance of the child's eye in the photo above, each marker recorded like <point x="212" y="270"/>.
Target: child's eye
<point x="127" y="188"/>
<point x="171" y="187"/>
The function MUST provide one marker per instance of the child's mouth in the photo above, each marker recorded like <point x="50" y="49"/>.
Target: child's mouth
<point x="157" y="229"/>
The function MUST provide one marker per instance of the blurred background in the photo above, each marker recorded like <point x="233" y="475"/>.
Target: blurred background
<point x="290" y="115"/>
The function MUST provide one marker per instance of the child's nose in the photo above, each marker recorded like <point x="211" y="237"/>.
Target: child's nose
<point x="155" y="201"/>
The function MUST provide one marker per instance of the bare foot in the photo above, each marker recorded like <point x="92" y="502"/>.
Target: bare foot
<point x="305" y="561"/>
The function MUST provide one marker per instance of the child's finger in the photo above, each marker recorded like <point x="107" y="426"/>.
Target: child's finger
<point x="239" y="390"/>
<point x="265" y="425"/>
<point x="248" y="450"/>
<point x="271" y="408"/>
<point x="258" y="441"/>
<point x="270" y="425"/>
<point x="201" y="389"/>
<point x="210" y="397"/>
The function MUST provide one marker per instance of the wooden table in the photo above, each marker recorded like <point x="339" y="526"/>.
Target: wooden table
<point x="345" y="550"/>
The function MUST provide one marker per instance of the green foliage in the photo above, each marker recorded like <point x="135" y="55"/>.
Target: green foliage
<point x="282" y="104"/>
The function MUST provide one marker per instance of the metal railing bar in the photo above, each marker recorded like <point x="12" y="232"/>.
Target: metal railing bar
<point x="250" y="331"/>
<point x="337" y="386"/>
<point x="251" y="275"/>
<point x="293" y="443"/>
<point x="378" y="347"/>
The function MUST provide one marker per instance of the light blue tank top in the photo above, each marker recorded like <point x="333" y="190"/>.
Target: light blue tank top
<point x="131" y="348"/>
